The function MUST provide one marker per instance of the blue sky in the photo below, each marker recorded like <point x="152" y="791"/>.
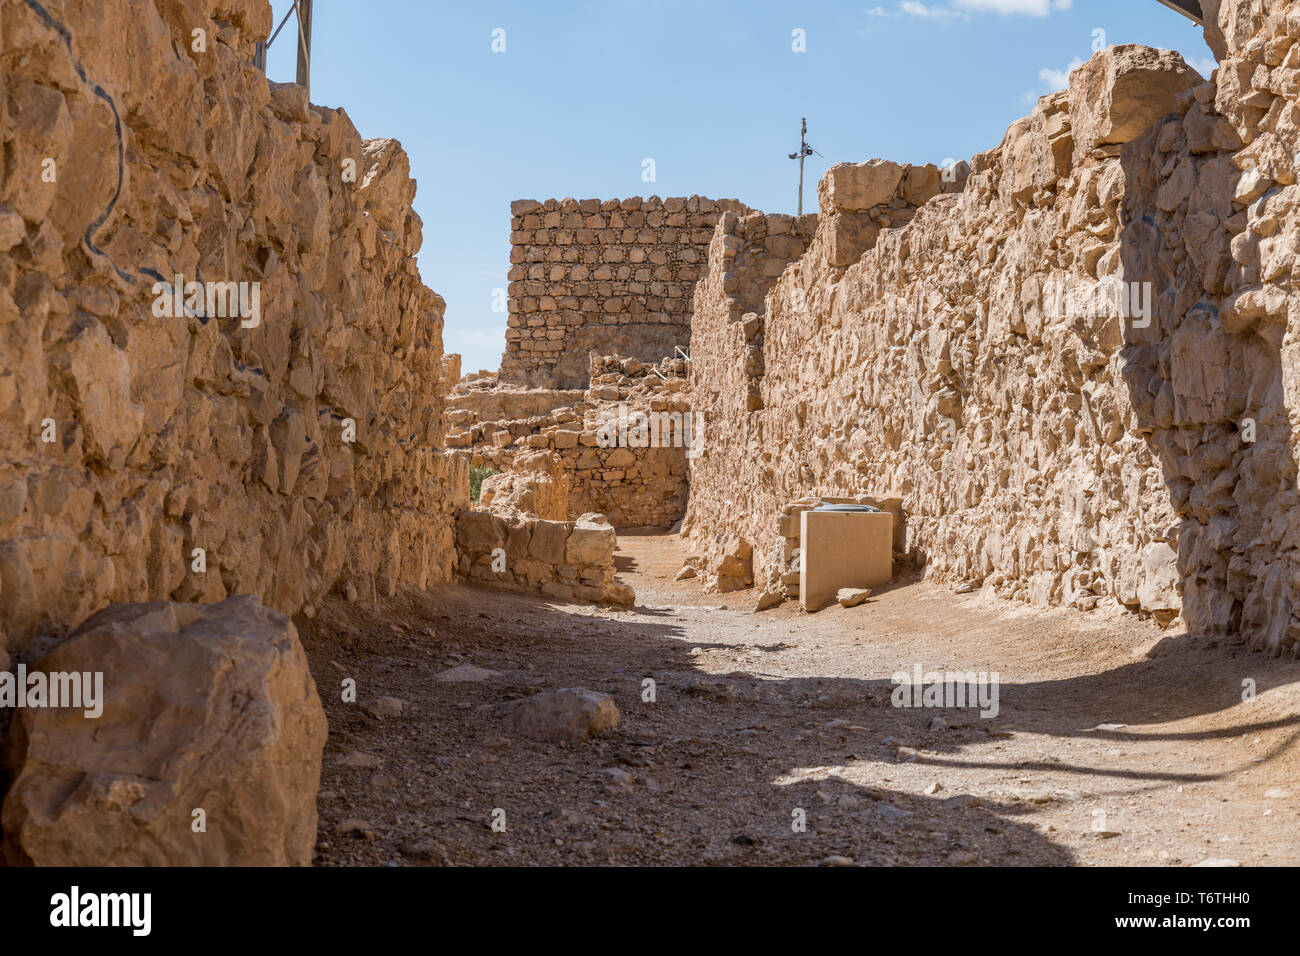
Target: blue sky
<point x="711" y="90"/>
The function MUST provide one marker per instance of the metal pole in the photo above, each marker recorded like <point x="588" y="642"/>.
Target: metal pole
<point x="803" y="135"/>
<point x="304" y="45"/>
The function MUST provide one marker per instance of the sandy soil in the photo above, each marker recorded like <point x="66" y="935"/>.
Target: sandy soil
<point x="1115" y="742"/>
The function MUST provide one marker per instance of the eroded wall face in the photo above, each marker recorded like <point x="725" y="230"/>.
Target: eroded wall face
<point x="598" y="277"/>
<point x="993" y="363"/>
<point x="296" y="447"/>
<point x="1213" y="197"/>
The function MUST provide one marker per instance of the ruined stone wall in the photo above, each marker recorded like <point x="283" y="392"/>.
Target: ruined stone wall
<point x="920" y="359"/>
<point x="1213" y="197"/>
<point x="602" y="276"/>
<point x="564" y="560"/>
<point x="592" y="436"/>
<point x="133" y="437"/>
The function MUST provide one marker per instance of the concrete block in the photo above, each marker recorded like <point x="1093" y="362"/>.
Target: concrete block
<point x="843" y="549"/>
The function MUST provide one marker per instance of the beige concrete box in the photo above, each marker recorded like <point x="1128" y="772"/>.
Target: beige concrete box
<point x="843" y="549"/>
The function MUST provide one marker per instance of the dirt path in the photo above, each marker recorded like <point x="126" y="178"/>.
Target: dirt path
<point x="1114" y="742"/>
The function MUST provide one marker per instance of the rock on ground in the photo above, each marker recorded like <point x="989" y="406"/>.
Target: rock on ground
<point x="206" y="707"/>
<point x="562" y="716"/>
<point x="852" y="597"/>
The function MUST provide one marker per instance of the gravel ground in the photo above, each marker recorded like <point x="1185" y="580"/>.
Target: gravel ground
<point x="1115" y="742"/>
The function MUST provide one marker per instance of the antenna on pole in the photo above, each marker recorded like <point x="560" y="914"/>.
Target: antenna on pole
<point x="804" y="151"/>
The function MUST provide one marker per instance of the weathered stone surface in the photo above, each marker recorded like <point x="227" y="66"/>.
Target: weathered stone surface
<point x="169" y="432"/>
<point x="616" y="276"/>
<point x="592" y="541"/>
<point x="207" y="707"/>
<point x="1121" y="91"/>
<point x="620" y="447"/>
<point x="858" y="187"/>
<point x="537" y="484"/>
<point x="465" y="673"/>
<point x="852" y="597"/>
<point x="564" y="560"/>
<point x="569" y="715"/>
<point x="1047" y="449"/>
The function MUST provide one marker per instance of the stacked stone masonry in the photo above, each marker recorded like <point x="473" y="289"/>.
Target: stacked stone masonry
<point x="592" y="437"/>
<point x="138" y="442"/>
<point x="1115" y="456"/>
<point x="562" y="560"/>
<point x="598" y="277"/>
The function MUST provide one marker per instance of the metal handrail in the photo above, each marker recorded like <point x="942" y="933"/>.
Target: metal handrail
<point x="303" y="8"/>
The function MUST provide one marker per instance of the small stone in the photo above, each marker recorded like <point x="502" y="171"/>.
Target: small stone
<point x="465" y="673"/>
<point x="425" y="848"/>
<point x="685" y="573"/>
<point x="386" y="707"/>
<point x="568" y="715"/>
<point x="852" y="597"/>
<point x="1218" y="861"/>
<point x="363" y="829"/>
<point x="837" y="861"/>
<point x="932" y="789"/>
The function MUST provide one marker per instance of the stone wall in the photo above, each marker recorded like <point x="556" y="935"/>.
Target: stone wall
<point x="133" y="437"/>
<point x="592" y="436"/>
<point x="564" y="560"/>
<point x="602" y="276"/>
<point x="921" y="359"/>
<point x="1213" y="197"/>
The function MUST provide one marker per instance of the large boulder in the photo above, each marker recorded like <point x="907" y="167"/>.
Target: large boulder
<point x="205" y="707"/>
<point x="1121" y="91"/>
<point x="857" y="187"/>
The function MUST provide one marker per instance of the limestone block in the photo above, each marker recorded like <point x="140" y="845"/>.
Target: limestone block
<point x="843" y="550"/>
<point x="592" y="541"/>
<point x="1121" y="91"/>
<point x="857" y="187"/>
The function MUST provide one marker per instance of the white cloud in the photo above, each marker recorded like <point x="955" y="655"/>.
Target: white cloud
<point x="1052" y="80"/>
<point x="1203" y="65"/>
<point x="1058" y="79"/>
<point x="1033" y="8"/>
<point x="943" y="14"/>
<point x="962" y="9"/>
